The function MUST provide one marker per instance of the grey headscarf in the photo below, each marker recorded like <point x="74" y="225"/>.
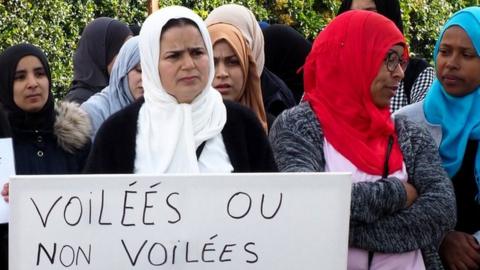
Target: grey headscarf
<point x="117" y="94"/>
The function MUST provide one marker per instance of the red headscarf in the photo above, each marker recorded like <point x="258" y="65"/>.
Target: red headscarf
<point x="338" y="73"/>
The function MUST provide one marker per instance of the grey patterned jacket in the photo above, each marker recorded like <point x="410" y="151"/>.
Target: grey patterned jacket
<point x="379" y="221"/>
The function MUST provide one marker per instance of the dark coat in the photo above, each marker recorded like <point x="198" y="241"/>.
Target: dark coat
<point x="275" y="93"/>
<point x="245" y="141"/>
<point x="63" y="151"/>
<point x="285" y="53"/>
<point x="468" y="210"/>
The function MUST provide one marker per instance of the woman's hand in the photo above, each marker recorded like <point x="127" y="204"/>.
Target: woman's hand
<point x="460" y="250"/>
<point x="412" y="193"/>
<point x="5" y="192"/>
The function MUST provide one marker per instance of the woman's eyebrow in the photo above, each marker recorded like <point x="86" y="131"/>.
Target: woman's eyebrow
<point x="225" y="57"/>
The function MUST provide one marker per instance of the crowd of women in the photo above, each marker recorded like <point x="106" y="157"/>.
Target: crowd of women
<point x="225" y="96"/>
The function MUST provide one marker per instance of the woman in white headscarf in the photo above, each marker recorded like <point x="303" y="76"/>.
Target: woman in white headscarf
<point x="125" y="86"/>
<point x="182" y="124"/>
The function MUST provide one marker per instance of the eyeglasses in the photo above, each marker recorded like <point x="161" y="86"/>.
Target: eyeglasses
<point x="393" y="59"/>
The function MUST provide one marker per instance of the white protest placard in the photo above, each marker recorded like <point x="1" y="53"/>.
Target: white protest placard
<point x="234" y="221"/>
<point x="7" y="169"/>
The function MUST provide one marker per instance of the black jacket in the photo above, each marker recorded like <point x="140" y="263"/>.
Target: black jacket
<point x="63" y="151"/>
<point x="277" y="97"/>
<point x="468" y="210"/>
<point x="245" y="140"/>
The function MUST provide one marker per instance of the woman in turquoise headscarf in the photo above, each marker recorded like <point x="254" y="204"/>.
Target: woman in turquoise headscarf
<point x="451" y="112"/>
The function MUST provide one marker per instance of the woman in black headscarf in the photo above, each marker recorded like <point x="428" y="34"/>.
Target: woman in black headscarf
<point x="419" y="75"/>
<point x="99" y="45"/>
<point x="47" y="139"/>
<point x="285" y="53"/>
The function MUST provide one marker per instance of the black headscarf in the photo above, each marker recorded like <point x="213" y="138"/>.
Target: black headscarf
<point x="101" y="40"/>
<point x="388" y="8"/>
<point x="135" y="28"/>
<point x="285" y="52"/>
<point x="19" y="119"/>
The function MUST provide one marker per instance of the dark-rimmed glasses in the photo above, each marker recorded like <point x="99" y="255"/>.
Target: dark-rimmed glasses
<point x="393" y="59"/>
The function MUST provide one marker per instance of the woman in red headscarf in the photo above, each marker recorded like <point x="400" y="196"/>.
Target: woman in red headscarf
<point x="402" y="201"/>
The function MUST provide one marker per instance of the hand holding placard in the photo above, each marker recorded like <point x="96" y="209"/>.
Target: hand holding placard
<point x="5" y="192"/>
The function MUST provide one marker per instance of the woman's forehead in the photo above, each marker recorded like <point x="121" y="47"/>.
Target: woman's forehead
<point x="457" y="37"/>
<point x="181" y="37"/>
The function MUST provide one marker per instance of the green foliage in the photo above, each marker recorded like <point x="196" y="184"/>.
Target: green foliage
<point x="422" y="23"/>
<point x="308" y="17"/>
<point x="56" y="25"/>
<point x="52" y="25"/>
<point x="203" y="7"/>
<point x="422" y="18"/>
<point x="131" y="12"/>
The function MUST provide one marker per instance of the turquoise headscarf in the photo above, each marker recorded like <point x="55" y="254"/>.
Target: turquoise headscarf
<point x="458" y="116"/>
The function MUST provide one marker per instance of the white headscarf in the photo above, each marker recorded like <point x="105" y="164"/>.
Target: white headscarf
<point x="169" y="132"/>
<point x="242" y="18"/>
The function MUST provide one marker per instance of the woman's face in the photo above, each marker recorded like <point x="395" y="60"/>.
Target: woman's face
<point x="30" y="85"/>
<point x="458" y="64"/>
<point x="228" y="71"/>
<point x="386" y="83"/>
<point x="183" y="65"/>
<point x="364" y="5"/>
<point x="135" y="81"/>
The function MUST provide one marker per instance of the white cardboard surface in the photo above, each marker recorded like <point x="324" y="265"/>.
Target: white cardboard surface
<point x="7" y="169"/>
<point x="180" y="222"/>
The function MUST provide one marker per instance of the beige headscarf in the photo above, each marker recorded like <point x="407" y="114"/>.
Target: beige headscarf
<point x="251" y="95"/>
<point x="242" y="18"/>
